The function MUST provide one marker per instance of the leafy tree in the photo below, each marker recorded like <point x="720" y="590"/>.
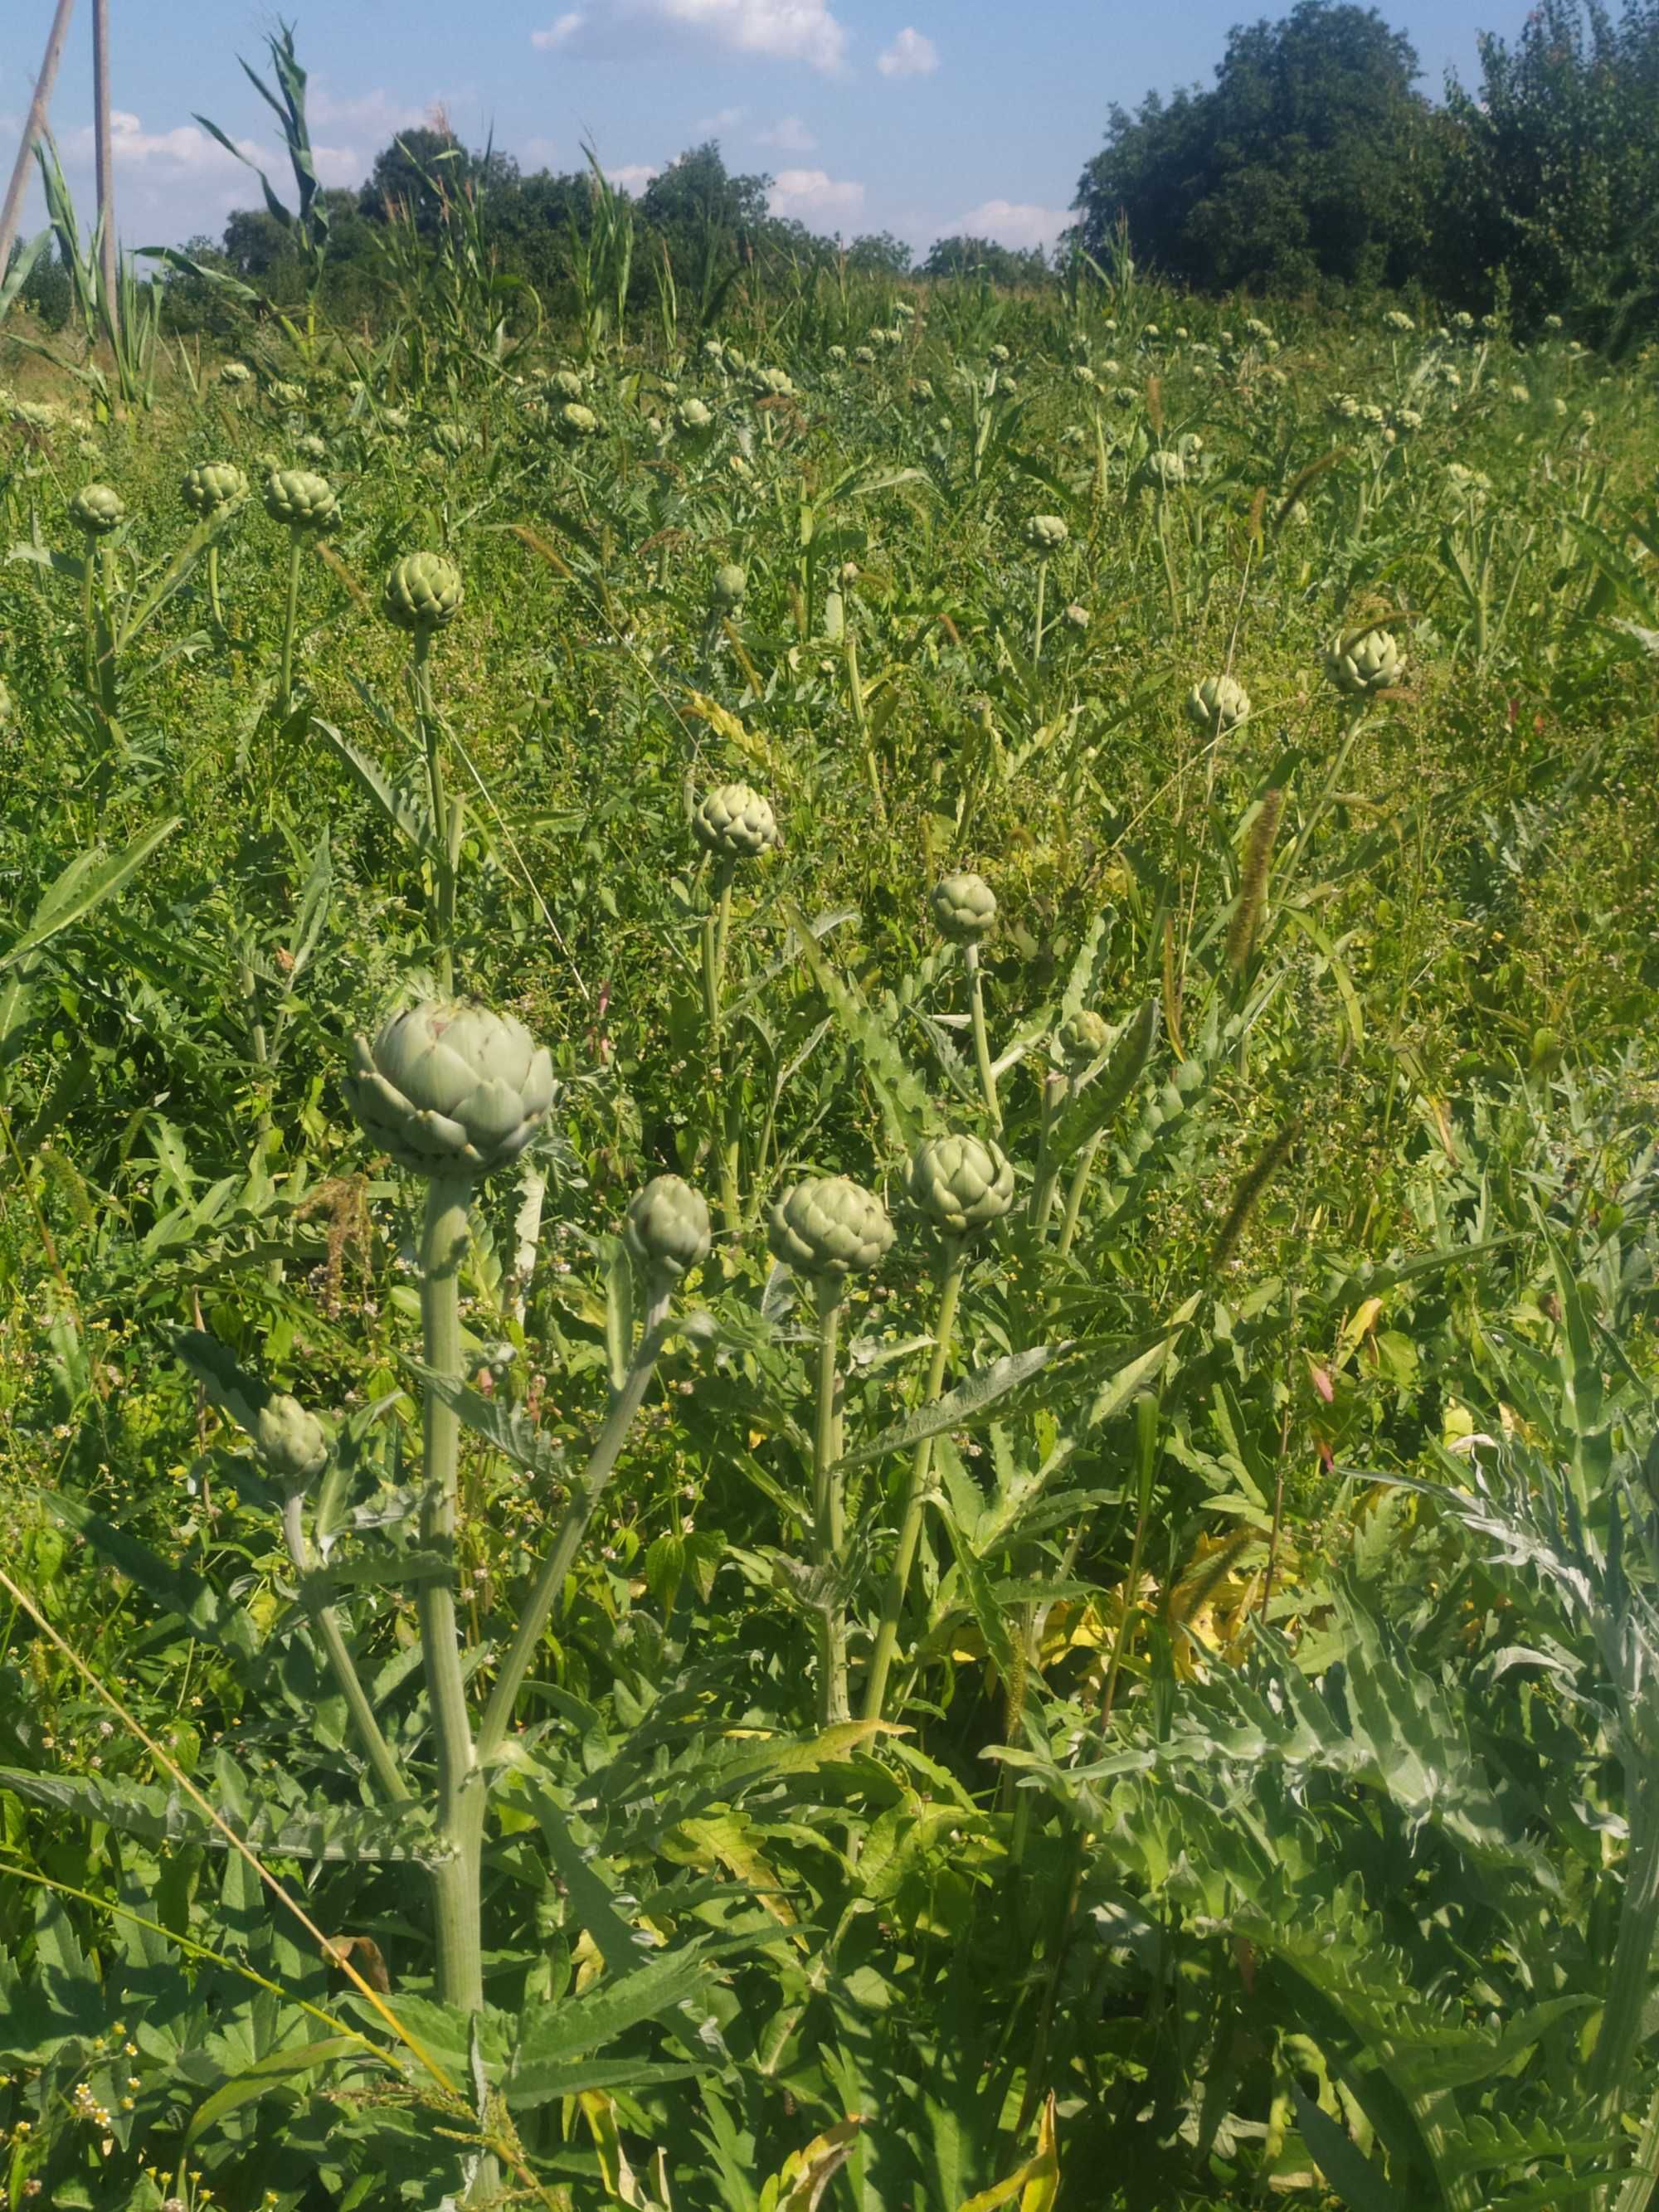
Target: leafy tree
<point x="1556" y="180"/>
<point x="1312" y="156"/>
<point x="419" y="170"/>
<point x="982" y="257"/>
<point x="879" y="254"/>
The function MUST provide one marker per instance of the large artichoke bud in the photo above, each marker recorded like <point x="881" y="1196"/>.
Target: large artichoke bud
<point x="575" y="421"/>
<point x="450" y="1089"/>
<point x="212" y="486"/>
<point x="1217" y="705"/>
<point x="299" y="500"/>
<point x="960" y="1183"/>
<point x="1046" y="534"/>
<point x="1080" y="1040"/>
<point x="666" y="1227"/>
<point x="97" y="509"/>
<point x="730" y="585"/>
<point x="1370" y="662"/>
<point x="735" y="822"/>
<point x="423" y="591"/>
<point x="829" y="1225"/>
<point x="964" y="907"/>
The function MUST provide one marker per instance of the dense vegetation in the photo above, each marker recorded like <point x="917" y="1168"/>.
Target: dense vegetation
<point x="954" y="1504"/>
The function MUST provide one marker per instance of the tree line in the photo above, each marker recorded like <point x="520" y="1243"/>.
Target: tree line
<point x="1316" y="162"/>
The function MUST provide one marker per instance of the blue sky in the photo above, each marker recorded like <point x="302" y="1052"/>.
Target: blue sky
<point x="921" y="117"/>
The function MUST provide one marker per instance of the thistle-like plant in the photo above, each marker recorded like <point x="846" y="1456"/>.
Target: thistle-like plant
<point x="98" y="511"/>
<point x="306" y="506"/>
<point x="422" y="595"/>
<point x="826" y="1230"/>
<point x="965" y="907"/>
<point x="209" y="489"/>
<point x="962" y="1186"/>
<point x="733" y="824"/>
<point x="1046" y="534"/>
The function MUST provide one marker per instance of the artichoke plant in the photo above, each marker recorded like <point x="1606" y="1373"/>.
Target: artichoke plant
<point x="212" y="486"/>
<point x="960" y="1183"/>
<point x="576" y="422"/>
<point x="667" y="1228"/>
<point x="1080" y="1040"/>
<point x="735" y="824"/>
<point x="97" y="509"/>
<point x="830" y="1227"/>
<point x="1046" y="533"/>
<point x="730" y="585"/>
<point x="301" y="502"/>
<point x="450" y="1089"/>
<point x="424" y="592"/>
<point x="1369" y="661"/>
<point x="964" y="907"/>
<point x="1217" y="705"/>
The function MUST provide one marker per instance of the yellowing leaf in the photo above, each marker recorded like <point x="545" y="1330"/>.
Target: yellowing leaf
<point x="1359" y="1324"/>
<point x="725" y="724"/>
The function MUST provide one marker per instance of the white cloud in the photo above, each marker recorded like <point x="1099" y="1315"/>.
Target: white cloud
<point x="632" y="176"/>
<point x="727" y="118"/>
<point x="772" y="30"/>
<point x="538" y="152"/>
<point x="185" y="148"/>
<point x="374" y="115"/>
<point x="1012" y="223"/>
<point x="812" y="194"/>
<point x="558" y="34"/>
<point x="789" y="135"/>
<point x="911" y="54"/>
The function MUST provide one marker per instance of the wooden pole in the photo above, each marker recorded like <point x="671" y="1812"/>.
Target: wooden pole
<point x="33" y="128"/>
<point x="106" y="166"/>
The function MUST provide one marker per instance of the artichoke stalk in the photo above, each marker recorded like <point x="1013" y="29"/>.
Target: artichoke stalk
<point x="732" y="823"/>
<point x="965" y="907"/>
<point x="452" y="1091"/>
<point x="668" y="1232"/>
<point x="306" y="506"/>
<point x="827" y="1229"/>
<point x="424" y="594"/>
<point x="964" y="1186"/>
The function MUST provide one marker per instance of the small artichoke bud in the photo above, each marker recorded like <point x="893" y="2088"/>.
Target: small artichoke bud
<point x="666" y="1227"/>
<point x="693" y="415"/>
<point x="964" y="907"/>
<point x="423" y="591"/>
<point x="1076" y="616"/>
<point x="1370" y="662"/>
<point x="212" y="486"/>
<point x="450" y="1089"/>
<point x="961" y="1184"/>
<point x="1217" y="705"/>
<point x="565" y="384"/>
<point x="301" y="502"/>
<point x="1046" y="534"/>
<point x="831" y="1226"/>
<point x="735" y="822"/>
<point x="730" y="585"/>
<point x="292" y="1444"/>
<point x="1080" y="1040"/>
<point x="576" y="421"/>
<point x="97" y="509"/>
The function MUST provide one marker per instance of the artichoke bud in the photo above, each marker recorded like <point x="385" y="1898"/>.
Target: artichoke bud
<point x="964" y="907"/>
<point x="960" y="1183"/>
<point x="1370" y="662"/>
<point x="1046" y="534"/>
<point x="450" y="1089"/>
<point x="576" y="421"/>
<point x="735" y="822"/>
<point x="300" y="500"/>
<point x="97" y="509"/>
<point x="829" y="1227"/>
<point x="666" y="1228"/>
<point x="212" y="486"/>
<point x="1080" y="1040"/>
<point x="423" y="591"/>
<point x="292" y="1444"/>
<point x="1217" y="705"/>
<point x="730" y="585"/>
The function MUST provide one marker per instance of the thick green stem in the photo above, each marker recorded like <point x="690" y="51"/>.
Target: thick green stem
<point x="213" y="587"/>
<point x="290" y="618"/>
<point x="376" y="1749"/>
<point x="898" y="1582"/>
<point x="456" y="1878"/>
<point x="987" y="1081"/>
<point x="727" y="1102"/>
<point x="543" y="1599"/>
<point x="1056" y="1089"/>
<point x="1630" y="1979"/>
<point x="1081" y="1175"/>
<point x="828" y="1515"/>
<point x="106" y="628"/>
<point x="445" y="823"/>
<point x="1036" y="633"/>
<point x="88" y="633"/>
